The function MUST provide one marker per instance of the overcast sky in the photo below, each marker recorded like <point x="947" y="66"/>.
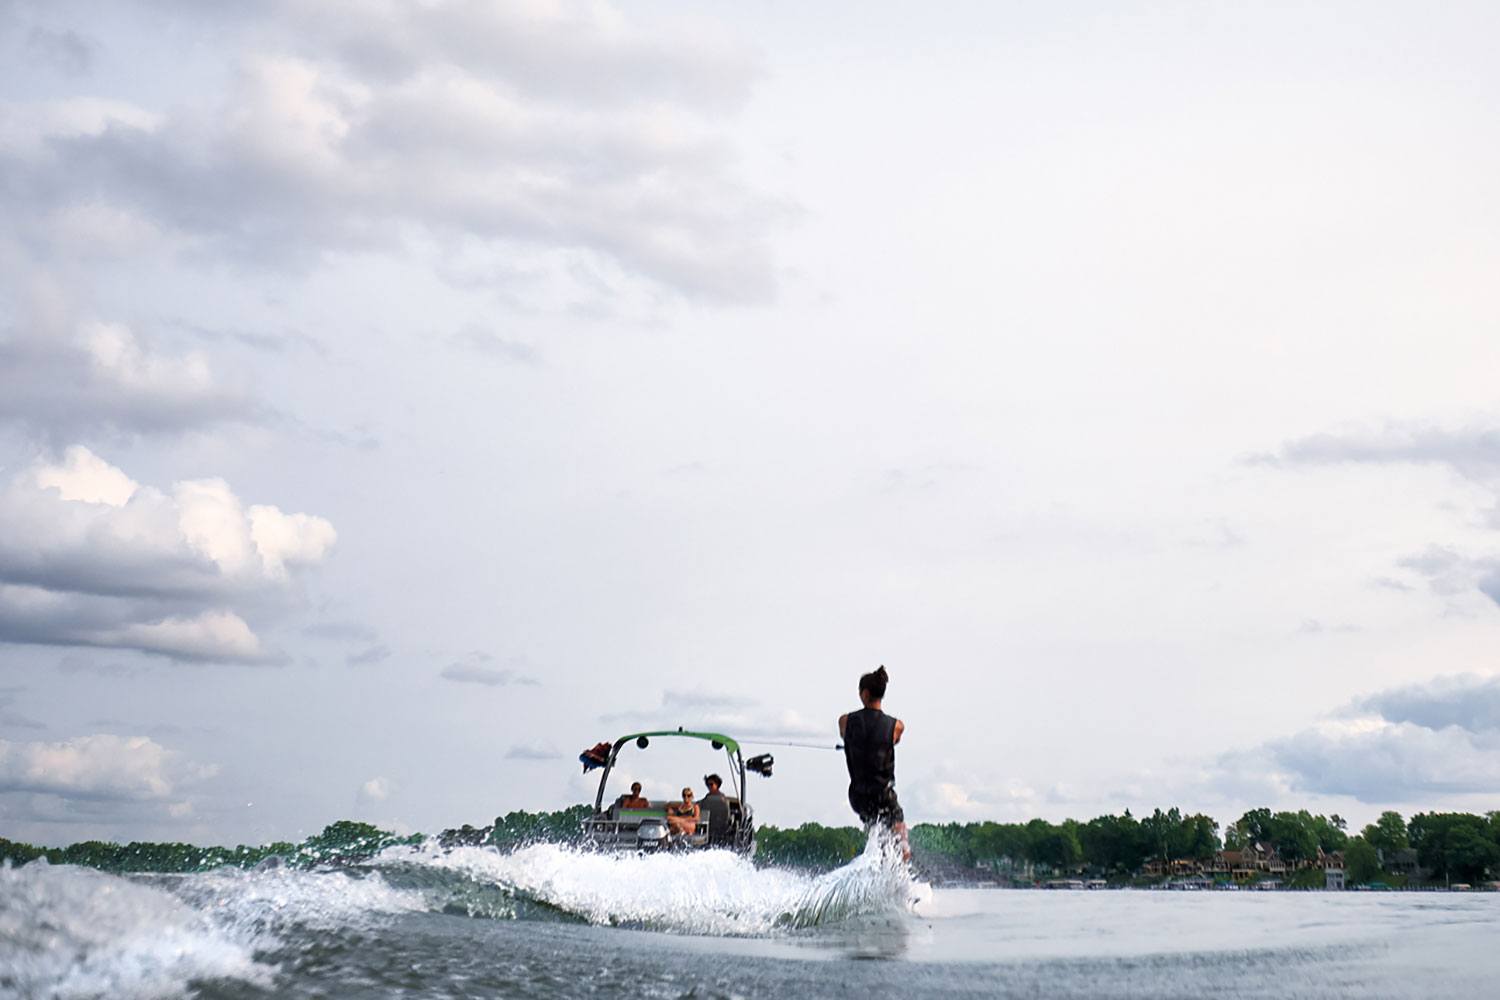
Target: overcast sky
<point x="396" y="399"/>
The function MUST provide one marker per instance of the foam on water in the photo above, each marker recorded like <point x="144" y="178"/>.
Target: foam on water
<point x="70" y="933"/>
<point x="704" y="892"/>
<point x="269" y="900"/>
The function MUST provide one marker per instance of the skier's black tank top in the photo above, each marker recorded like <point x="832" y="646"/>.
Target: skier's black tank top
<point x="870" y="749"/>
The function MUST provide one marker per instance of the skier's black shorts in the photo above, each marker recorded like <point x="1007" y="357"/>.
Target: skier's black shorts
<point x="876" y="805"/>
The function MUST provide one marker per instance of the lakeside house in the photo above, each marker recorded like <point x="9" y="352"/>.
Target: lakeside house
<point x="1255" y="861"/>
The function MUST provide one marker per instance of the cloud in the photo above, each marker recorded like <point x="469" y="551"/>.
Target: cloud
<point x="99" y="767"/>
<point x="1466" y="701"/>
<point x="377" y="653"/>
<point x="537" y="131"/>
<point x="89" y="557"/>
<point x="672" y="699"/>
<point x="101" y="377"/>
<point x="949" y="794"/>
<point x="67" y="51"/>
<point x="738" y="716"/>
<point x="473" y="673"/>
<point x="922" y="477"/>
<point x="340" y="630"/>
<point x="532" y="751"/>
<point x="1472" y="452"/>
<point x="587" y="54"/>
<point x="487" y="342"/>
<point x="377" y="789"/>
<point x="1406" y="744"/>
<point x="11" y="718"/>
<point x="1449" y="573"/>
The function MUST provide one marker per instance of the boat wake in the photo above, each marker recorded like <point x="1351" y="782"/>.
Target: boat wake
<point x="75" y="932"/>
<point x="69" y="932"/>
<point x="706" y="892"/>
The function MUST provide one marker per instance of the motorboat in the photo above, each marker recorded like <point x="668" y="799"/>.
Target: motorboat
<point x="615" y="827"/>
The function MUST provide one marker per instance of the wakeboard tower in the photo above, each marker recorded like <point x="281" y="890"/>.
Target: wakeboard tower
<point x="613" y="827"/>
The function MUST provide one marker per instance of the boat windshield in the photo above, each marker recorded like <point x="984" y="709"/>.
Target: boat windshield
<point x="667" y="765"/>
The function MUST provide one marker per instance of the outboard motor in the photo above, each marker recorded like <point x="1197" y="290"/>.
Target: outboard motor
<point x="652" y="833"/>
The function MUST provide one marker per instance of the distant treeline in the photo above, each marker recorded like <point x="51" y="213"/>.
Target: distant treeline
<point x="344" y="842"/>
<point x="339" y="843"/>
<point x="1446" y="846"/>
<point x="1461" y="847"/>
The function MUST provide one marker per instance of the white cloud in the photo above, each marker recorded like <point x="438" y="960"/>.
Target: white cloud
<point x="61" y="378"/>
<point x="1405" y="745"/>
<point x="953" y="793"/>
<point x="90" y="557"/>
<point x="1470" y="453"/>
<point x="97" y="767"/>
<point x="377" y="789"/>
<point x="527" y="129"/>
<point x="465" y="673"/>
<point x="532" y="751"/>
<point x="84" y="477"/>
<point x="733" y="715"/>
<point x="377" y="653"/>
<point x="210" y="635"/>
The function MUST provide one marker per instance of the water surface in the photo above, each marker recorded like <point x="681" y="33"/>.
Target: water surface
<point x="549" y="922"/>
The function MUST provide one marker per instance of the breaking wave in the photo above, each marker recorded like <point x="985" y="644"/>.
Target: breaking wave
<point x="72" y="932"/>
<point x="69" y="933"/>
<point x="707" y="892"/>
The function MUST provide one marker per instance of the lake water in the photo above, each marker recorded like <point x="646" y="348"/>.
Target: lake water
<point x="549" y="922"/>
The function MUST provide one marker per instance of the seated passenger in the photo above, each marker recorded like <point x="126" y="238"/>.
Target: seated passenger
<point x="715" y="808"/>
<point x="682" y="817"/>
<point x="634" y="800"/>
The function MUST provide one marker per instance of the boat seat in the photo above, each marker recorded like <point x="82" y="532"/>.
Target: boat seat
<point x="640" y="814"/>
<point x="699" y="836"/>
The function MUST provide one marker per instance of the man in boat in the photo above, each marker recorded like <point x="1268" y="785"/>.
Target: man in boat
<point x="870" y="737"/>
<point x="715" y="808"/>
<point x="634" y="800"/>
<point x="682" y="817"/>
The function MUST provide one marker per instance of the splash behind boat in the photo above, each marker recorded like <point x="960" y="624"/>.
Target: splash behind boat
<point x="615" y="827"/>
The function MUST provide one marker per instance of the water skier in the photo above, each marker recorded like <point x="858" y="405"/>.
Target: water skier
<point x="870" y="737"/>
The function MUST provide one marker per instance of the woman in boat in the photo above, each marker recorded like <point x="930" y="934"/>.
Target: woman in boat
<point x="682" y="817"/>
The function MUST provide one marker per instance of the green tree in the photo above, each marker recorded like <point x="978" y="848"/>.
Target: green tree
<point x="1329" y="830"/>
<point x="1361" y="863"/>
<point x="1293" y="835"/>
<point x="810" y="845"/>
<point x="18" y="853"/>
<point x="1158" y="831"/>
<point x="521" y="827"/>
<point x="1056" y="846"/>
<point x="1112" y="844"/>
<point x="1255" y="825"/>
<point x="1455" y="846"/>
<point x="1197" y="837"/>
<point x="1388" y="833"/>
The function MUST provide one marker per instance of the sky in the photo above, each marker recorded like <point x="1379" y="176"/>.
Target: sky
<point x="396" y="399"/>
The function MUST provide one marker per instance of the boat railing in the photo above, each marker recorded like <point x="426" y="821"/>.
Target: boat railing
<point x="604" y="827"/>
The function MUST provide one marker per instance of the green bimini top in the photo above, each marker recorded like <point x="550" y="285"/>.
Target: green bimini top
<point x="731" y="745"/>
